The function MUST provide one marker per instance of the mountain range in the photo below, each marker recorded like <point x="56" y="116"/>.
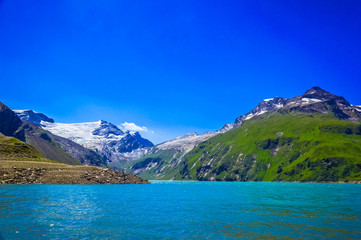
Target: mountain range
<point x="315" y="136"/>
<point x="311" y="137"/>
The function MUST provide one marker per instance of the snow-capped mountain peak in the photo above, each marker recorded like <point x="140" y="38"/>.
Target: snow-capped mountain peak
<point x="113" y="144"/>
<point x="106" y="129"/>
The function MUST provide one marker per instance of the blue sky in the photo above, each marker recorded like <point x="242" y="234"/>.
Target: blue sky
<point x="173" y="66"/>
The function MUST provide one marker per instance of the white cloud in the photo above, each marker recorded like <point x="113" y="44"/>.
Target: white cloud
<point x="133" y="127"/>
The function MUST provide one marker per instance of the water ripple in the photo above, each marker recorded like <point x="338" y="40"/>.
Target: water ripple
<point x="181" y="210"/>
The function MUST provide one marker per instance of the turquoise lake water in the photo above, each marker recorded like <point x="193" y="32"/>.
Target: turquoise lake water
<point x="181" y="210"/>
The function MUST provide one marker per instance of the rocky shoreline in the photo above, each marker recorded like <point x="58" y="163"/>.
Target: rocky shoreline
<point x="67" y="175"/>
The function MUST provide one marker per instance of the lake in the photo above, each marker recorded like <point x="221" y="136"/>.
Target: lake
<point x="181" y="210"/>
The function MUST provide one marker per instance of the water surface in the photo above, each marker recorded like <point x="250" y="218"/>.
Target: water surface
<point x="181" y="210"/>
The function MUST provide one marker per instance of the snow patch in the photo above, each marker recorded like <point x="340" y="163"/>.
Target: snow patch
<point x="280" y="105"/>
<point x="249" y="116"/>
<point x="82" y="133"/>
<point x="24" y="111"/>
<point x="310" y="100"/>
<point x="187" y="142"/>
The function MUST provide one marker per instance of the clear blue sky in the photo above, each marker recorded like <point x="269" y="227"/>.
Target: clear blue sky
<point x="173" y="66"/>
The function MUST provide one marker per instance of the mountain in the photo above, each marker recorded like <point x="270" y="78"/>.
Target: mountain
<point x="314" y="100"/>
<point x="11" y="125"/>
<point x="311" y="137"/>
<point x="50" y="145"/>
<point x="116" y="147"/>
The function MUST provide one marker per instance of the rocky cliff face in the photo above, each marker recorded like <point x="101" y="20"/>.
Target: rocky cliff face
<point x="10" y="124"/>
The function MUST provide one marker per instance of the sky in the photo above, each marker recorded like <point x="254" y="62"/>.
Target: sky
<point x="168" y="68"/>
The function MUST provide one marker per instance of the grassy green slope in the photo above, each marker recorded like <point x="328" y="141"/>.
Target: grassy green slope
<point x="13" y="152"/>
<point x="292" y="147"/>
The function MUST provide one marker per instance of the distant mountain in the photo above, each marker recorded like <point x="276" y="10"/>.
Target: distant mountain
<point x="273" y="138"/>
<point x="314" y="100"/>
<point x="116" y="147"/>
<point x="76" y="151"/>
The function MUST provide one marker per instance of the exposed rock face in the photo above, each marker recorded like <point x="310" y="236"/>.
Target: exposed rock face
<point x="314" y="100"/>
<point x="10" y="123"/>
<point x="67" y="175"/>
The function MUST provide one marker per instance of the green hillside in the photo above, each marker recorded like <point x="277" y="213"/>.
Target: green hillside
<point x="293" y="147"/>
<point x="276" y="147"/>
<point x="15" y="153"/>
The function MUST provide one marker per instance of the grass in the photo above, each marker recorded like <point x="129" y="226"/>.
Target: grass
<point x="293" y="147"/>
<point x="15" y="153"/>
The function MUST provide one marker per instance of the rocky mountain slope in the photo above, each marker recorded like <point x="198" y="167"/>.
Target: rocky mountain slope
<point x="172" y="163"/>
<point x="115" y="147"/>
<point x="314" y="100"/>
<point x="21" y="163"/>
